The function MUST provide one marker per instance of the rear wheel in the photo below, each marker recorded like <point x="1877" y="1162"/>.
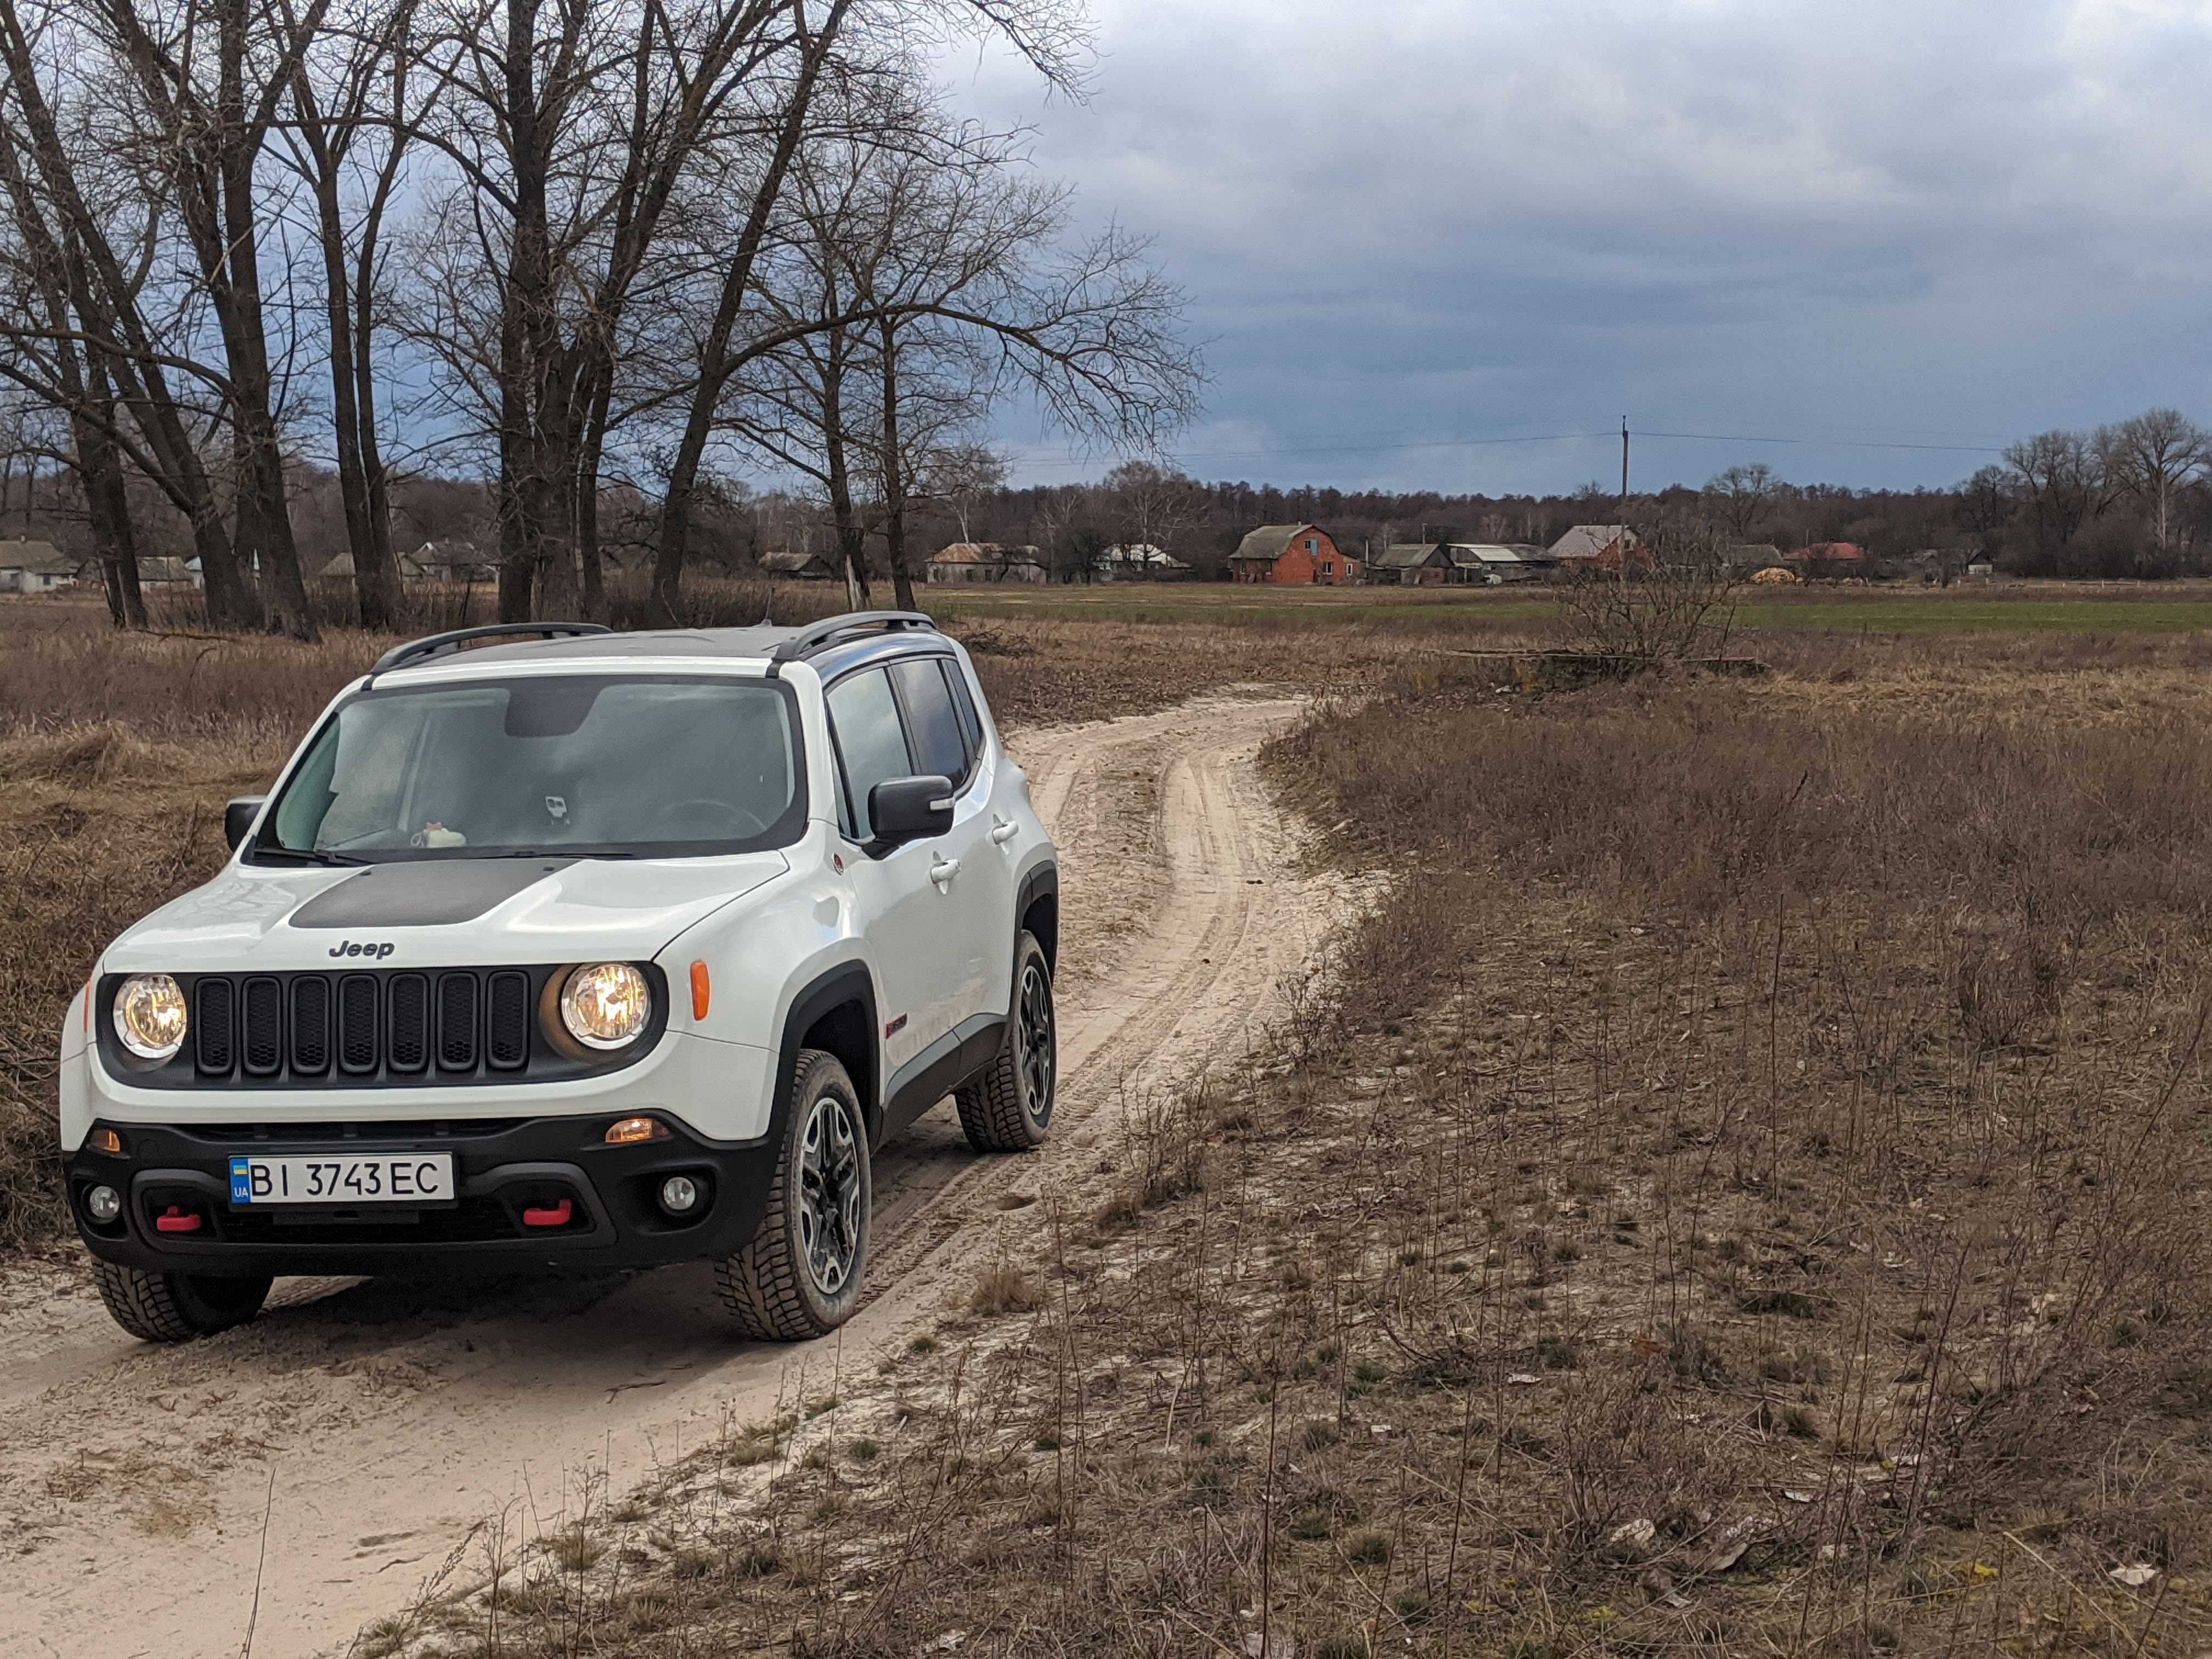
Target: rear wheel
<point x="1008" y="1109"/>
<point x="799" y="1275"/>
<point x="164" y="1307"/>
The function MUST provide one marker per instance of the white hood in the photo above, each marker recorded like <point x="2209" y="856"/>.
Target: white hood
<point x="440" y="914"/>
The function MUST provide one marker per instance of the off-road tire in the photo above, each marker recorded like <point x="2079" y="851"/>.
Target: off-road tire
<point x="999" y="1108"/>
<point x="163" y="1307"/>
<point x="769" y="1285"/>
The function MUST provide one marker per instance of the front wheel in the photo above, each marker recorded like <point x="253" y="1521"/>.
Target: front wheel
<point x="1008" y="1108"/>
<point x="799" y="1275"/>
<point x="162" y="1306"/>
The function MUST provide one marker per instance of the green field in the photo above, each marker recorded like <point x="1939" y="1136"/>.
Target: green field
<point x="2025" y="608"/>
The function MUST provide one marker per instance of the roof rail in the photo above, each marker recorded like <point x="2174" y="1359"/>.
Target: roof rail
<point x="833" y="630"/>
<point x="437" y="645"/>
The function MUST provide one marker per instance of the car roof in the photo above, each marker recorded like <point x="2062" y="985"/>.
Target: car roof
<point x="735" y="646"/>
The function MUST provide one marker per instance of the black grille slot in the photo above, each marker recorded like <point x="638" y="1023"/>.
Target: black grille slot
<point x="311" y="1025"/>
<point x="265" y="1027"/>
<point x="457" y="1022"/>
<point x="212" y="1026"/>
<point x="509" y="1047"/>
<point x="357" y="1043"/>
<point x="410" y="995"/>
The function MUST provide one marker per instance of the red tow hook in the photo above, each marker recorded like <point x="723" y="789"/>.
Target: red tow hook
<point x="174" y="1220"/>
<point x="535" y="1215"/>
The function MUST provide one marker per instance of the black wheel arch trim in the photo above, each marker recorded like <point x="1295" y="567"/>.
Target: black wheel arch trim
<point x="1042" y="882"/>
<point x="848" y="982"/>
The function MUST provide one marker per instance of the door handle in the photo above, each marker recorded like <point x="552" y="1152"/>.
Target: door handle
<point x="943" y="870"/>
<point x="1002" y="832"/>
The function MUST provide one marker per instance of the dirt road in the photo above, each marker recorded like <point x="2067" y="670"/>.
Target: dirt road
<point x="135" y="1479"/>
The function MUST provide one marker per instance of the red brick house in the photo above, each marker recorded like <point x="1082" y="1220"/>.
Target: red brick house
<point x="1293" y="554"/>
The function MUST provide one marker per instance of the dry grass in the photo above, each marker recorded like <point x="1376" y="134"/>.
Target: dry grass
<point x="1746" y="1194"/>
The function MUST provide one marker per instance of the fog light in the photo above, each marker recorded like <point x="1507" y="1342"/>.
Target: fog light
<point x="679" y="1194"/>
<point x="103" y="1205"/>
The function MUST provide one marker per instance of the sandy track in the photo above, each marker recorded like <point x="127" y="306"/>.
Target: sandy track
<point x="133" y="1480"/>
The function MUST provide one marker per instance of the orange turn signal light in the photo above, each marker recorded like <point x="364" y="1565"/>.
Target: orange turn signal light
<point x="699" y="990"/>
<point x="104" y="1140"/>
<point x="633" y="1131"/>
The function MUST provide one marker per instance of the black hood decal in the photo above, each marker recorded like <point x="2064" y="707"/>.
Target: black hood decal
<point x="433" y="893"/>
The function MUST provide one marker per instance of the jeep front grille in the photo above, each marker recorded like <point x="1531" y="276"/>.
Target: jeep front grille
<point x="416" y="1025"/>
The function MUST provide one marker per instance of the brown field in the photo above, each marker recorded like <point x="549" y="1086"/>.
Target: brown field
<point x="1741" y="1187"/>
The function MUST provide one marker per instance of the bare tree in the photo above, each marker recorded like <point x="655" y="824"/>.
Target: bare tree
<point x="1739" y="497"/>
<point x="2060" y="479"/>
<point x="2153" y="458"/>
<point x="105" y="237"/>
<point x="359" y="97"/>
<point x="1153" y="506"/>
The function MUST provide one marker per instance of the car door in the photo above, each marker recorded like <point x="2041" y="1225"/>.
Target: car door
<point x="976" y="923"/>
<point x="900" y="906"/>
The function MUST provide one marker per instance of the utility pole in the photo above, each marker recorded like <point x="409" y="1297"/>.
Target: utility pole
<point x="1624" y="468"/>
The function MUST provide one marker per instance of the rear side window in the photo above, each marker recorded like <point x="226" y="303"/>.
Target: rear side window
<point x="970" y="721"/>
<point x="933" y="725"/>
<point x="870" y="743"/>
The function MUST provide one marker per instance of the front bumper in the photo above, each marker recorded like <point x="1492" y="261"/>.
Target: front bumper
<point x="502" y="1167"/>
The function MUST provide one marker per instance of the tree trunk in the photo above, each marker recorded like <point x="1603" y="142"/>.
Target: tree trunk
<point x="894" y="470"/>
<point x="107" y="504"/>
<point x="852" y="534"/>
<point x="736" y="282"/>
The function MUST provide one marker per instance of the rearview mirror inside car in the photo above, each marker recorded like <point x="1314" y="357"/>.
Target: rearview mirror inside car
<point x="910" y="809"/>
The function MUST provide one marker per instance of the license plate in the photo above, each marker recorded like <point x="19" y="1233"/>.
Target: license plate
<point x="352" y="1178"/>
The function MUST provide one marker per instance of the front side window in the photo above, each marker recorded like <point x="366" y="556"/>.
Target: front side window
<point x="589" y="765"/>
<point x="870" y="743"/>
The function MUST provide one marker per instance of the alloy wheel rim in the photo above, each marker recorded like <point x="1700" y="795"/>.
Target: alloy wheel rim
<point x="1038" y="1051"/>
<point x="829" y="1194"/>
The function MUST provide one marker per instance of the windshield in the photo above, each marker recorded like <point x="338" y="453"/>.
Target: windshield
<point x="599" y="765"/>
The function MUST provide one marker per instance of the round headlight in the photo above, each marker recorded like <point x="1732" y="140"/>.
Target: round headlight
<point x="149" y="1016"/>
<point x="606" y="1006"/>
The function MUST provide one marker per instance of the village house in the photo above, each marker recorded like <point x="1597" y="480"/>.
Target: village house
<point x="1598" y="547"/>
<point x="1494" y="563"/>
<point x="167" y="570"/>
<point x="796" y="565"/>
<point x="1828" y="559"/>
<point x="1139" y="561"/>
<point x="986" y="562"/>
<point x="34" y="568"/>
<point x="448" y="561"/>
<point x="1410" y="564"/>
<point x="1294" y="554"/>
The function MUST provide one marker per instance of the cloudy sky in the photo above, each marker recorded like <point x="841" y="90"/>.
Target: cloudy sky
<point x="1939" y="222"/>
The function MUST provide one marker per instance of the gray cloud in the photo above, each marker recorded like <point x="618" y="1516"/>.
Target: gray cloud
<point x="1933" y="222"/>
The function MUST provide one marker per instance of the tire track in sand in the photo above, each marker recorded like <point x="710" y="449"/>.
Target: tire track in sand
<point x="396" y="1415"/>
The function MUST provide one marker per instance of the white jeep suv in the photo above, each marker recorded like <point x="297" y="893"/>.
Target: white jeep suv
<point x="595" y="950"/>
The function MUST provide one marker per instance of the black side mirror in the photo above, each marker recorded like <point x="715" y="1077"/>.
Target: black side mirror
<point x="910" y="809"/>
<point x="238" y="819"/>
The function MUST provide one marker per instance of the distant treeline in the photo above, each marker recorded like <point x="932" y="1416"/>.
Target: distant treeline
<point x="2129" y="501"/>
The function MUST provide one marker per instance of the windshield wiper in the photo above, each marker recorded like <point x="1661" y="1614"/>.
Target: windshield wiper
<point x="308" y="855"/>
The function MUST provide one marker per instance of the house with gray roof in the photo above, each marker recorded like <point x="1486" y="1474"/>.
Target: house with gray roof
<point x="34" y="568"/>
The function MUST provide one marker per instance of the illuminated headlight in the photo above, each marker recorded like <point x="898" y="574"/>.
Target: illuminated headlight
<point x="149" y="1016"/>
<point x="606" y="1006"/>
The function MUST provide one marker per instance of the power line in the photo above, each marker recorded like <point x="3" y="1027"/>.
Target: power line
<point x="1552" y="438"/>
<point x="1834" y="443"/>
